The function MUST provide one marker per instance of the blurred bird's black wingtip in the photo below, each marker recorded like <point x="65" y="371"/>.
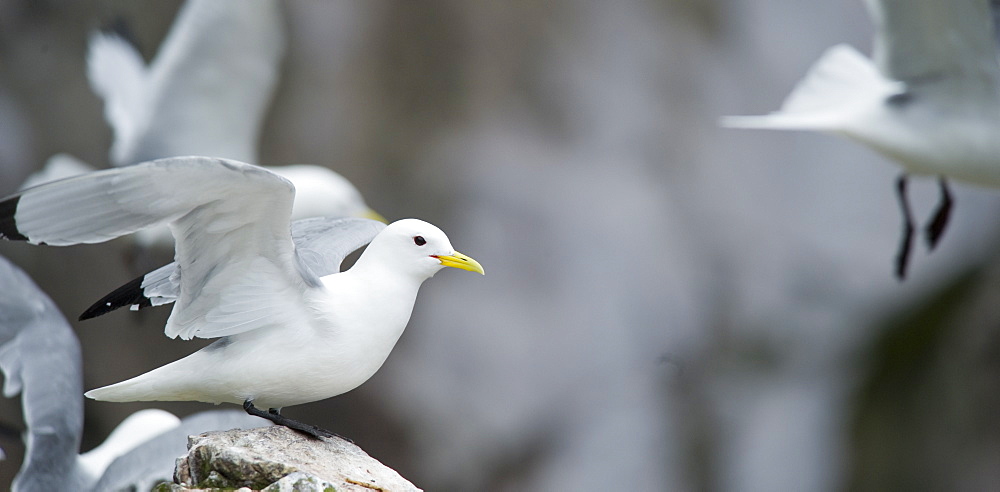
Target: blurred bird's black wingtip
<point x="8" y="227"/>
<point x="120" y="27"/>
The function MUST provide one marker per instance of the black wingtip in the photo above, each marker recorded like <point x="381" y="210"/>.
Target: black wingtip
<point x="120" y="27"/>
<point x="126" y="295"/>
<point x="8" y="228"/>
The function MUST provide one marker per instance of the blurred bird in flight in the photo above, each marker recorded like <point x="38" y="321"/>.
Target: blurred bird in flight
<point x="929" y="99"/>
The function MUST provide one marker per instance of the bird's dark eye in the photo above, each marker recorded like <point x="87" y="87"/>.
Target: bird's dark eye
<point x="419" y="240"/>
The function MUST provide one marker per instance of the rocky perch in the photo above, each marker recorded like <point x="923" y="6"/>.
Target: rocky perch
<point x="277" y="459"/>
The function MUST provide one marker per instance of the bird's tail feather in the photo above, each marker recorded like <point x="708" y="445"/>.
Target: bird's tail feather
<point x="839" y="83"/>
<point x="119" y="392"/>
<point x="181" y="380"/>
<point x="160" y="384"/>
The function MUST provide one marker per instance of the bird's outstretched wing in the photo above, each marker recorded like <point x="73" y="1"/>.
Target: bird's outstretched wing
<point x="930" y="40"/>
<point x="40" y="358"/>
<point x="230" y="222"/>
<point x="321" y="244"/>
<point x="221" y="57"/>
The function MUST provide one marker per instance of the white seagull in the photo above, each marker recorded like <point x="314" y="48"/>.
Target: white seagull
<point x="40" y="359"/>
<point x="928" y="99"/>
<point x="286" y="334"/>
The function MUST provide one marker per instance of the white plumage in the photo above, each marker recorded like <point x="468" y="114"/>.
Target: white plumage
<point x="290" y="335"/>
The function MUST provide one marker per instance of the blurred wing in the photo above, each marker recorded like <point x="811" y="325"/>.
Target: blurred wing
<point x="322" y="192"/>
<point x="206" y="91"/>
<point x="837" y="87"/>
<point x="40" y="358"/>
<point x="321" y="244"/>
<point x="118" y="75"/>
<point x="927" y="40"/>
<point x="59" y="166"/>
<point x="135" y="430"/>
<point x="153" y="461"/>
<point x="230" y="222"/>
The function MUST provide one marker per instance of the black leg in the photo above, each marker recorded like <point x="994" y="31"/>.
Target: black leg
<point x="935" y="228"/>
<point x="278" y="419"/>
<point x="906" y="241"/>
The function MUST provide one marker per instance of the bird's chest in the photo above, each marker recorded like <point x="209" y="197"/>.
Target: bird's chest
<point x="357" y="330"/>
<point x="370" y="319"/>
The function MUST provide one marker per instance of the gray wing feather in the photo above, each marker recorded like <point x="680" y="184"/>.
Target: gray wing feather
<point x="321" y="244"/>
<point x="102" y="205"/>
<point x="928" y="40"/>
<point x="161" y="286"/>
<point x="230" y="221"/>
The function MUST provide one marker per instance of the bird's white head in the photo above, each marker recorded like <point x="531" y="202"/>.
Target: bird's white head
<point x="417" y="248"/>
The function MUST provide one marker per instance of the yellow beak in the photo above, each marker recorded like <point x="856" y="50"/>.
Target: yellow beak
<point x="373" y="215"/>
<point x="458" y="260"/>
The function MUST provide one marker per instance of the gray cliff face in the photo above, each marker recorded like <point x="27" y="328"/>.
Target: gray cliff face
<point x="275" y="459"/>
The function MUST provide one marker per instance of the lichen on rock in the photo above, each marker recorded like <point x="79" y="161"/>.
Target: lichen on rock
<point x="278" y="459"/>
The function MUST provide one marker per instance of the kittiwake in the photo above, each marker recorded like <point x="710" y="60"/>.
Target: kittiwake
<point x="287" y="335"/>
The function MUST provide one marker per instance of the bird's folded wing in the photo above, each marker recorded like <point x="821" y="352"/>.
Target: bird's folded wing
<point x="230" y="222"/>
<point x="118" y="75"/>
<point x="920" y="40"/>
<point x="221" y="57"/>
<point x="321" y="244"/>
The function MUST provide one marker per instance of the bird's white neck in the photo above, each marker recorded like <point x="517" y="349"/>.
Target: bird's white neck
<point x="374" y="300"/>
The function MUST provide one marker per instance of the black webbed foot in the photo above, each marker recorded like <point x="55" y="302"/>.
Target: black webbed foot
<point x="906" y="241"/>
<point x="278" y="419"/>
<point x="935" y="228"/>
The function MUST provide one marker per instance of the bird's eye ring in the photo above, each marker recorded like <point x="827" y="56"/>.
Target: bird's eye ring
<point x="419" y="240"/>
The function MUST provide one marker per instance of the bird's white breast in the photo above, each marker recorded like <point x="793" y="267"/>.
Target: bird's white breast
<point x="952" y="138"/>
<point x="356" y="323"/>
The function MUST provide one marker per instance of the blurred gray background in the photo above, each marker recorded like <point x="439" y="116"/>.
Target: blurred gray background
<point x="668" y="305"/>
